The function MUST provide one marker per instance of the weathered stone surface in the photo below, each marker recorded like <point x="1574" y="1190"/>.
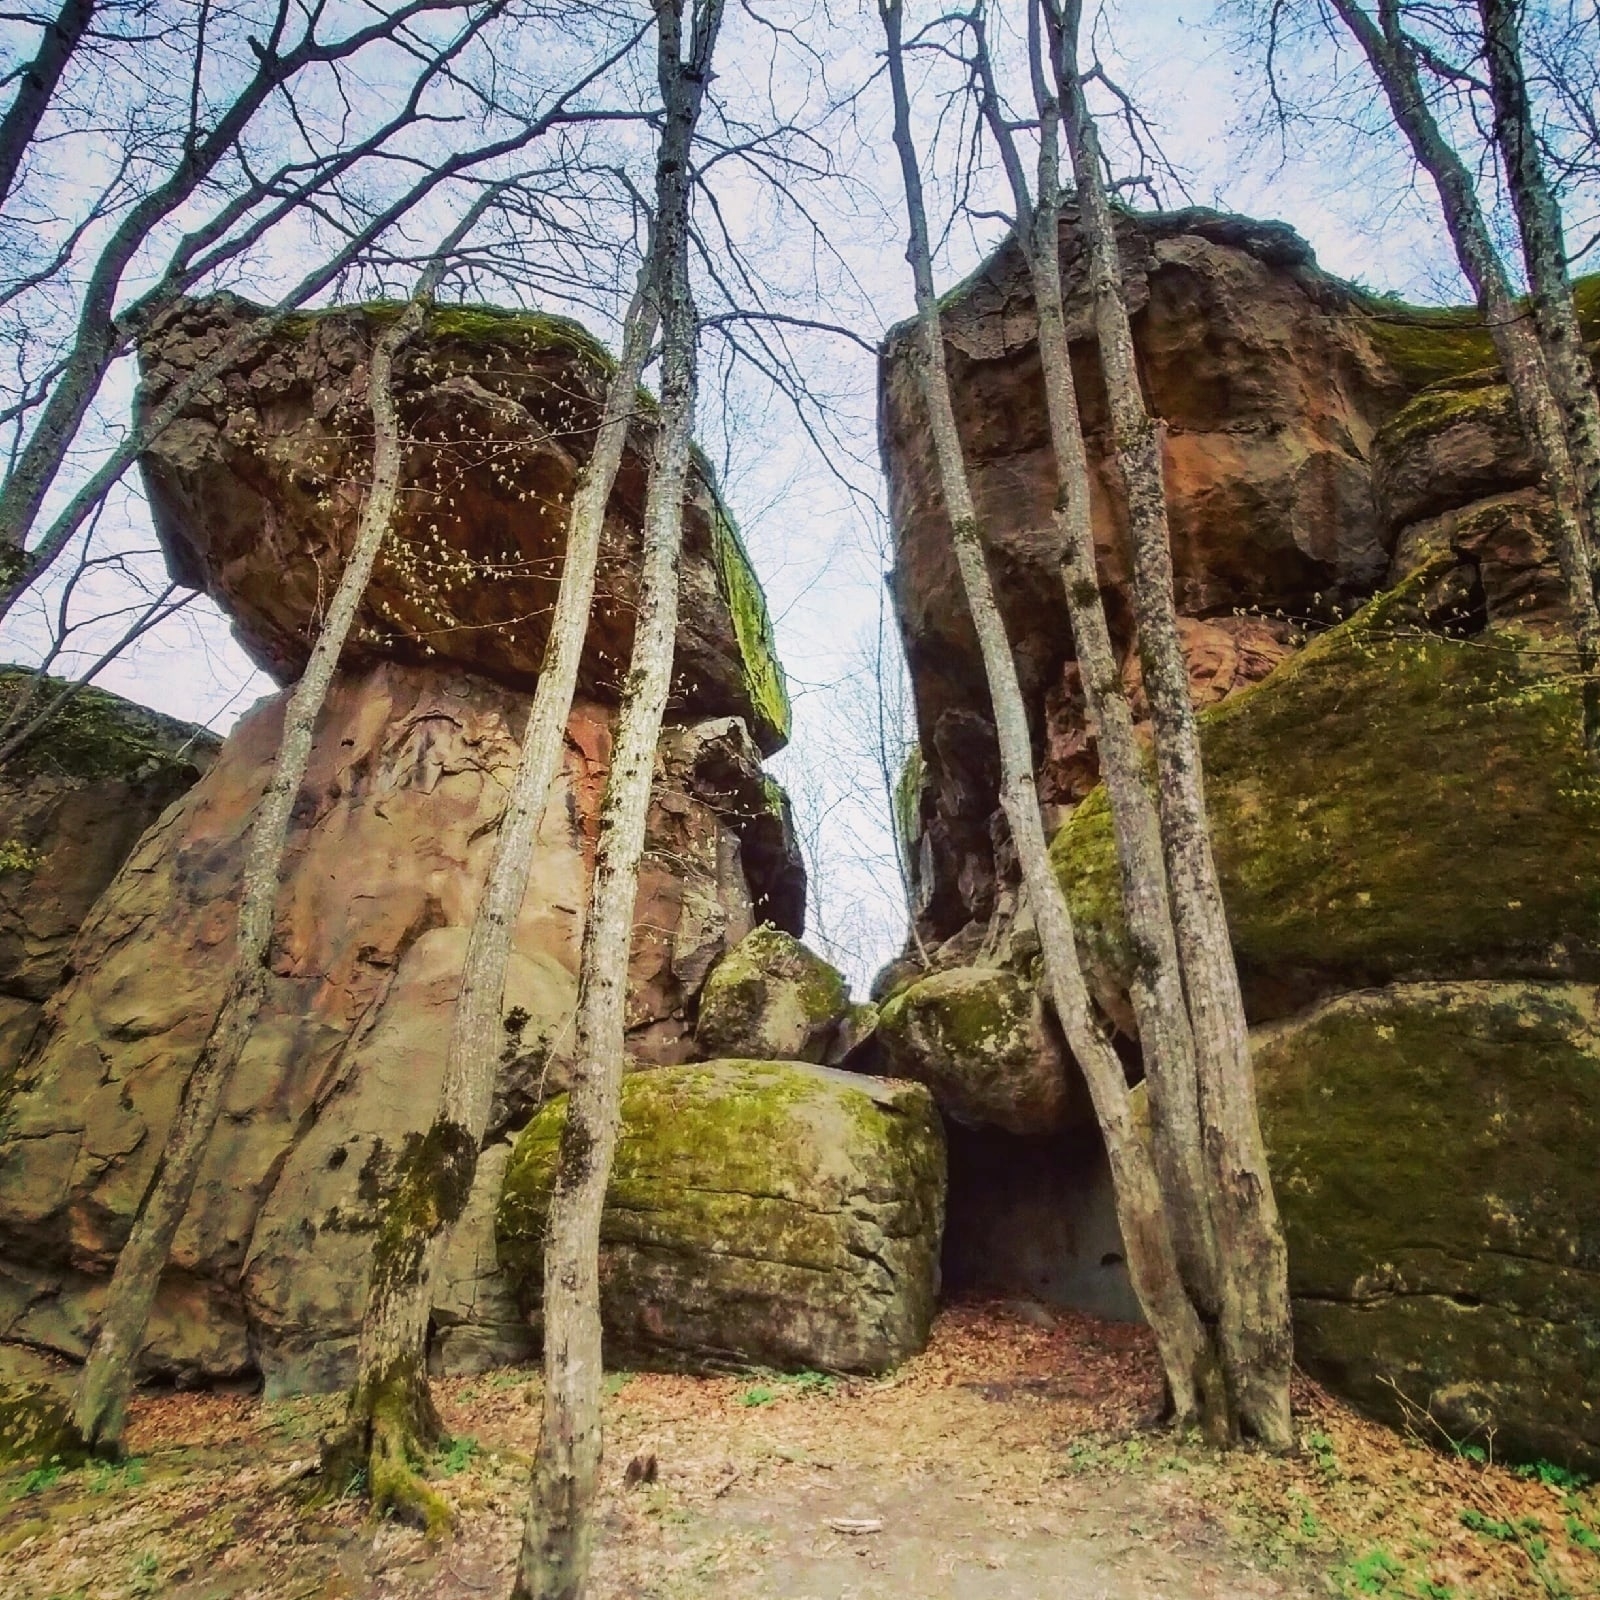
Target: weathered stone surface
<point x="391" y="839"/>
<point x="771" y="999"/>
<point x="1394" y="803"/>
<point x="256" y="491"/>
<point x="35" y="1408"/>
<point x="981" y="1040"/>
<point x="1433" y="1147"/>
<point x="73" y="802"/>
<point x="760" y="1213"/>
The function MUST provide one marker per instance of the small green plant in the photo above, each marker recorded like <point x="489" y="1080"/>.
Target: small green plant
<point x="458" y="1457"/>
<point x="108" y="1475"/>
<point x="1582" y="1535"/>
<point x="1554" y="1477"/>
<point x="616" y="1382"/>
<point x="758" y="1394"/>
<point x="1504" y="1532"/>
<point x="810" y="1382"/>
<point x="15" y="856"/>
<point x="1322" y="1452"/>
<point x="143" y="1578"/>
<point x="41" y="1478"/>
<point x="1377" y="1572"/>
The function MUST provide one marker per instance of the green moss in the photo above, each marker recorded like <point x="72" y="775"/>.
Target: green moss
<point x="971" y="1020"/>
<point x="1425" y="344"/>
<point x="1433" y="1151"/>
<point x="745" y="1198"/>
<point x="1444" y="405"/>
<point x="908" y="803"/>
<point x="100" y="735"/>
<point x="432" y="1180"/>
<point x="771" y="996"/>
<point x="36" y="1425"/>
<point x="1389" y="803"/>
<point x="752" y="627"/>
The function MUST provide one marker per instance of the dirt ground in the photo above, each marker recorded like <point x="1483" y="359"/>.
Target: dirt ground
<point x="1012" y="1461"/>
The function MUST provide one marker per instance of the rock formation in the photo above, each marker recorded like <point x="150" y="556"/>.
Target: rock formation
<point x="1404" y="821"/>
<point x="255" y="493"/>
<point x="761" y="1212"/>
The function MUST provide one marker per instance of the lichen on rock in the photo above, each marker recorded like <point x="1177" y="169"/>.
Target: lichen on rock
<point x="1433" y="1150"/>
<point x="982" y="1041"/>
<point x="770" y="998"/>
<point x="759" y="1213"/>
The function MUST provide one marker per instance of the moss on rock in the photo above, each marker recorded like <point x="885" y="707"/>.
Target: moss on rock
<point x="770" y="998"/>
<point x="759" y="1213"/>
<point x="980" y="1039"/>
<point x="1389" y="804"/>
<point x="1433" y="1150"/>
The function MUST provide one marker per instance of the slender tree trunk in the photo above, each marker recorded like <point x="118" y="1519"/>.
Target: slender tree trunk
<point x="391" y="1416"/>
<point x="1165" y="1038"/>
<point x="558" y="1536"/>
<point x="1252" y="1259"/>
<point x="37" y="83"/>
<point x="1152" y="1259"/>
<point x="108" y="1376"/>
<point x="1571" y="376"/>
<point x="1517" y="345"/>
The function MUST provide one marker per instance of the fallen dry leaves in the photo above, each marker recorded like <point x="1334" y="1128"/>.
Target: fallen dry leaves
<point x="1014" y="1458"/>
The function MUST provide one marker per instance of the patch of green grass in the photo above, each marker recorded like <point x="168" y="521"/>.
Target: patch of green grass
<point x="1377" y="1572"/>
<point x="758" y="1394"/>
<point x="1554" y="1477"/>
<point x="108" y="1475"/>
<point x="41" y="1478"/>
<point x="458" y="1457"/>
<point x="616" y="1382"/>
<point x="1498" y="1529"/>
<point x="1582" y="1535"/>
<point x="145" y="1575"/>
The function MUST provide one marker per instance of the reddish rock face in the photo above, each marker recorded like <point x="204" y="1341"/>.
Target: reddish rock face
<point x="1272" y="387"/>
<point x="257" y="489"/>
<point x="390" y="844"/>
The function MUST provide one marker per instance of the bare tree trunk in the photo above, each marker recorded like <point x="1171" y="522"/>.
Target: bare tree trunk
<point x="108" y="1376"/>
<point x="1253" y="1286"/>
<point x="558" y="1536"/>
<point x="1152" y="1259"/>
<point x="391" y="1415"/>
<point x="1165" y="1037"/>
<point x="1528" y="373"/>
<point x="37" y="83"/>
<point x="1544" y="250"/>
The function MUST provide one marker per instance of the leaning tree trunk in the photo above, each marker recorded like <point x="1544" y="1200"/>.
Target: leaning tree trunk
<point x="391" y="1417"/>
<point x="108" y="1375"/>
<point x="36" y="84"/>
<point x="1252" y="1260"/>
<point x="558" y="1535"/>
<point x="1152" y="1258"/>
<point x="1156" y="990"/>
<point x="1515" y="343"/>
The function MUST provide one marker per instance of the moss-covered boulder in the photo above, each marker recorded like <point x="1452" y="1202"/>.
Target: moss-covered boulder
<point x="982" y="1041"/>
<point x="760" y="1213"/>
<point x="771" y="999"/>
<point x="36" y="1408"/>
<point x="1391" y="804"/>
<point x="1434" y="1148"/>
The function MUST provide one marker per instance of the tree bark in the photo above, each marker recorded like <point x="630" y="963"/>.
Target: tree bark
<point x="1252" y="1260"/>
<point x="1517" y="345"/>
<point x="37" y="83"/>
<point x="558" y="1535"/>
<point x="1165" y="1038"/>
<point x="1152" y="1259"/>
<point x="108" y="1376"/>
<point x="391" y="1417"/>
<point x="1555" y="316"/>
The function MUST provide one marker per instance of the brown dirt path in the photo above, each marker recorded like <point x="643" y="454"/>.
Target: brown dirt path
<point x="1009" y="1462"/>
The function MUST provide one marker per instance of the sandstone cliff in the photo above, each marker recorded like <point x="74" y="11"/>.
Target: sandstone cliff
<point x="1404" y="821"/>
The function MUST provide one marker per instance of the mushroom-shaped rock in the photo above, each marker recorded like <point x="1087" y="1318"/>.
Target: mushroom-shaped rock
<point x="980" y="1039"/>
<point x="772" y="999"/>
<point x="759" y="1213"/>
<point x="257" y="488"/>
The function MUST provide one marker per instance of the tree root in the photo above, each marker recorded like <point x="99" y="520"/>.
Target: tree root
<point x="386" y="1439"/>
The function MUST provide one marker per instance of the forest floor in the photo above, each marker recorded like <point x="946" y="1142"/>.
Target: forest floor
<point x="1011" y="1461"/>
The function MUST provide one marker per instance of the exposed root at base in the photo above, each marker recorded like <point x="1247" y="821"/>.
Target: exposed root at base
<point x="389" y="1455"/>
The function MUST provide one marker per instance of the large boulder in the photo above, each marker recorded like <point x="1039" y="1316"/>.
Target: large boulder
<point x="983" y="1042"/>
<point x="1434" y="1152"/>
<point x="390" y="843"/>
<point x="1395" y="803"/>
<point x="772" y="999"/>
<point x="257" y="488"/>
<point x="73" y="802"/>
<point x="759" y="1213"/>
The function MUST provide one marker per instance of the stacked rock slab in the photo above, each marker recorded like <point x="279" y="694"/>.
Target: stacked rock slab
<point x="256" y="491"/>
<point x="1403" y="817"/>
